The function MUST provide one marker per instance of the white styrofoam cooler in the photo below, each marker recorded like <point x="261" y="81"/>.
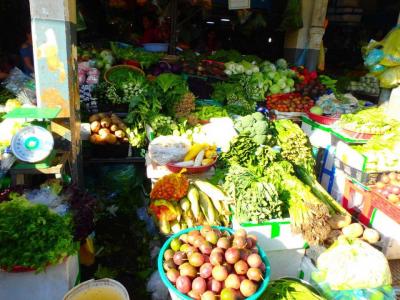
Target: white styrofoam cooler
<point x="284" y="249"/>
<point x="390" y="233"/>
<point x="52" y="284"/>
<point x="273" y="235"/>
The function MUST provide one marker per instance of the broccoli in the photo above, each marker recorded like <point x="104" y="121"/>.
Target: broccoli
<point x="260" y="139"/>
<point x="260" y="127"/>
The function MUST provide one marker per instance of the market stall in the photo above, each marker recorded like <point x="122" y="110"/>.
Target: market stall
<point x="208" y="176"/>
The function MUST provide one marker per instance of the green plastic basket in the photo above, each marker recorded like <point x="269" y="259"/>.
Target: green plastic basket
<point x="175" y="294"/>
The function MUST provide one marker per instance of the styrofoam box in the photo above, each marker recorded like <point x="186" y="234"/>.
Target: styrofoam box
<point x="273" y="235"/>
<point x="285" y="263"/>
<point x="52" y="284"/>
<point x="319" y="136"/>
<point x="307" y="267"/>
<point x="390" y="233"/>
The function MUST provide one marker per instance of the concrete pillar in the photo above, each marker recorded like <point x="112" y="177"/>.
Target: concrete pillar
<point x="55" y="58"/>
<point x="304" y="44"/>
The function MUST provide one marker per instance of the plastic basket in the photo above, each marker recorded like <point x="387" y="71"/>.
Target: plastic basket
<point x="322" y="119"/>
<point x="106" y="282"/>
<point x="176" y="295"/>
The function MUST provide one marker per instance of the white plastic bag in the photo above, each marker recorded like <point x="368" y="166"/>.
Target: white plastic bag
<point x="353" y="264"/>
<point x="165" y="149"/>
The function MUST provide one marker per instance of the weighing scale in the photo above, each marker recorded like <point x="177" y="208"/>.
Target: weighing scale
<point x="32" y="144"/>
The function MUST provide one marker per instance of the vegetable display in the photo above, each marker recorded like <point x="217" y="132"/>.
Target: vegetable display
<point x="367" y="85"/>
<point x="146" y="59"/>
<point x="380" y="152"/>
<point x="199" y="203"/>
<point x="370" y="121"/>
<point x="291" y="102"/>
<point x="257" y="127"/>
<point x="43" y="238"/>
<point x="290" y="289"/>
<point x="389" y="187"/>
<point x="210" y="263"/>
<point x="107" y="129"/>
<point x="295" y="145"/>
<point x="257" y="200"/>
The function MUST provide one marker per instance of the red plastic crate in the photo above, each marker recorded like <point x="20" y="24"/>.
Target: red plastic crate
<point x="388" y="208"/>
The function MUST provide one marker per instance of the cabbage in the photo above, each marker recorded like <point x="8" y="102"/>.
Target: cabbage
<point x="281" y="63"/>
<point x="352" y="264"/>
<point x="275" y="89"/>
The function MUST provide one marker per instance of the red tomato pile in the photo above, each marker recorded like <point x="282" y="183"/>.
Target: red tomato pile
<point x="292" y="102"/>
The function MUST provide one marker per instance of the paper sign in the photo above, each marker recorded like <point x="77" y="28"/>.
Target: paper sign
<point x="239" y="4"/>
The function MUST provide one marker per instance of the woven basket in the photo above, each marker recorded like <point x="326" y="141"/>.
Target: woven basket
<point x="118" y="67"/>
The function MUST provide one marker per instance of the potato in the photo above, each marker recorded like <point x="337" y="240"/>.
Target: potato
<point x="119" y="134"/>
<point x="110" y="138"/>
<point x="102" y="115"/>
<point x="115" y="119"/>
<point x="95" y="126"/>
<point x="122" y="126"/>
<point x="104" y="131"/>
<point x="96" y="139"/>
<point x="354" y="230"/>
<point x="339" y="221"/>
<point x="113" y="127"/>
<point x="371" y="235"/>
<point x="105" y="123"/>
<point x="93" y="118"/>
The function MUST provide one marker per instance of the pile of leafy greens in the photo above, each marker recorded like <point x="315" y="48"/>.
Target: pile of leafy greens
<point x="33" y="236"/>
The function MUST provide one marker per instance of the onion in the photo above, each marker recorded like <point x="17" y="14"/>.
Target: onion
<point x="172" y="275"/>
<point x="208" y="295"/>
<point x="169" y="253"/>
<point x="206" y="270"/>
<point x="241" y="267"/>
<point x="232" y="255"/>
<point x="254" y="260"/>
<point x="183" y="284"/>
<point x="223" y="243"/>
<point x="248" y="287"/>
<point x="219" y="273"/>
<point x="196" y="259"/>
<point x="254" y="274"/>
<point x="216" y="258"/>
<point x="199" y="285"/>
<point x="179" y="257"/>
<point x="232" y="281"/>
<point x="187" y="270"/>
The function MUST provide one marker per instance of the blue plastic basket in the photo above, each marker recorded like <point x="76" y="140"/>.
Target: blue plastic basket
<point x="156" y="47"/>
<point x="175" y="294"/>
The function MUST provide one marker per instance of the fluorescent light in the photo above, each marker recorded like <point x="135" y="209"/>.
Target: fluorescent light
<point x="225" y="20"/>
<point x="210" y="22"/>
<point x="270" y="40"/>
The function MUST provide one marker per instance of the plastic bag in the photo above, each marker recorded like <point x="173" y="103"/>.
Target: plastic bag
<point x="16" y="81"/>
<point x="390" y="78"/>
<point x="351" y="265"/>
<point x="165" y="149"/>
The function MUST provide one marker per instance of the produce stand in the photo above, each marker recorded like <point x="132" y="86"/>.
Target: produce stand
<point x="230" y="194"/>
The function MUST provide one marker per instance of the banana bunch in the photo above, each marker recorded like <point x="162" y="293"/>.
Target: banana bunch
<point x="203" y="204"/>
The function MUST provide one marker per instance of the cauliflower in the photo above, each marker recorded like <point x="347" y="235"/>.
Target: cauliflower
<point x="247" y="121"/>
